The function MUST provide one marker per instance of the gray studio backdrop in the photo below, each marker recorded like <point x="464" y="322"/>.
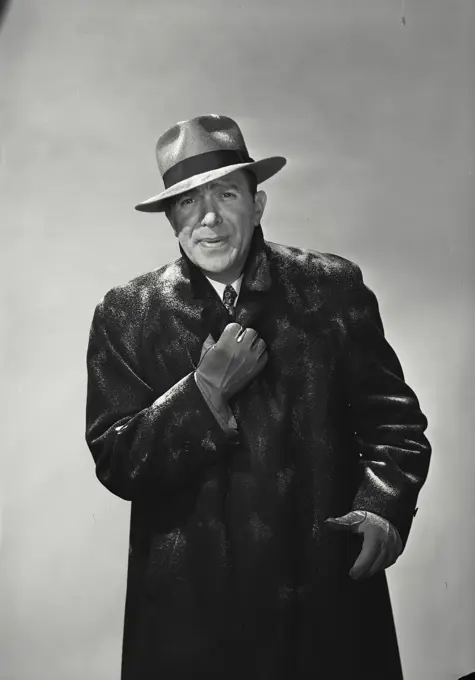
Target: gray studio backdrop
<point x="376" y="117"/>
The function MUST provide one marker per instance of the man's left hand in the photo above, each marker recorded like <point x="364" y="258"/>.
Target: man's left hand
<point x="382" y="544"/>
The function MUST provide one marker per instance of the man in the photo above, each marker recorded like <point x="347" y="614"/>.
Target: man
<point x="244" y="398"/>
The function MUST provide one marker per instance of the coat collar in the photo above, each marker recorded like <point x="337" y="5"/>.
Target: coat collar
<point x="257" y="279"/>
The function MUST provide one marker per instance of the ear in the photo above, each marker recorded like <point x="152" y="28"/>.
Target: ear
<point x="260" y="205"/>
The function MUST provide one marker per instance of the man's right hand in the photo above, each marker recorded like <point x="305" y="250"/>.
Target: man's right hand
<point x="233" y="361"/>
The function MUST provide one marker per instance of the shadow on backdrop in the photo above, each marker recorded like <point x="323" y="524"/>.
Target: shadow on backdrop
<point x="4" y="7"/>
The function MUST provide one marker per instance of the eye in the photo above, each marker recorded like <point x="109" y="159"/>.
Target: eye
<point x="229" y="194"/>
<point x="186" y="201"/>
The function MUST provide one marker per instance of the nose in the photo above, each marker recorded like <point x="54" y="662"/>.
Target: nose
<point x="210" y="219"/>
<point x="211" y="216"/>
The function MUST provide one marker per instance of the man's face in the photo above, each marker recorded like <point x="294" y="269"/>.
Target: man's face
<point x="215" y="223"/>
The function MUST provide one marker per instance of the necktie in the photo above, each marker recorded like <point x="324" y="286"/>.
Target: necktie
<point x="229" y="297"/>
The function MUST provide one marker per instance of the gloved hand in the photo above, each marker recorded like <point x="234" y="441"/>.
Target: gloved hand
<point x="231" y="363"/>
<point x="382" y="544"/>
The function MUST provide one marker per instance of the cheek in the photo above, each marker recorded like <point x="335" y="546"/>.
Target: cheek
<point x="242" y="221"/>
<point x="185" y="217"/>
<point x="183" y="226"/>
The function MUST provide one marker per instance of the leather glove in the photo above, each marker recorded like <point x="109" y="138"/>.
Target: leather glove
<point x="212" y="396"/>
<point x="382" y="544"/>
<point x="231" y="363"/>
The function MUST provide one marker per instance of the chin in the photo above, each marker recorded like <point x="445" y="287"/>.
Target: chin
<point x="216" y="264"/>
<point x="226" y="257"/>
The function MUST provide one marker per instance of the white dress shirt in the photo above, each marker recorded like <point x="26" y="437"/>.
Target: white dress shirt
<point x="219" y="287"/>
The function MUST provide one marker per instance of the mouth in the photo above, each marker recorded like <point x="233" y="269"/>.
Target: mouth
<point x="213" y="242"/>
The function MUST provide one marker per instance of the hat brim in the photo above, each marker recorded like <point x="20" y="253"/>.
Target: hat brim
<point x="263" y="170"/>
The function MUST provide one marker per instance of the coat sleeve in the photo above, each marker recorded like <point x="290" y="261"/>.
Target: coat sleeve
<point x="385" y="416"/>
<point x="142" y="442"/>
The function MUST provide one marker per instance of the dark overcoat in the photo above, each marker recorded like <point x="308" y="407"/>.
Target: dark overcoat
<point x="232" y="572"/>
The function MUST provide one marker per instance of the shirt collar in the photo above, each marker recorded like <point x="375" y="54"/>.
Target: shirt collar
<point x="219" y="287"/>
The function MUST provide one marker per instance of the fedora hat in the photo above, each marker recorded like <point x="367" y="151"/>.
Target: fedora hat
<point x="197" y="151"/>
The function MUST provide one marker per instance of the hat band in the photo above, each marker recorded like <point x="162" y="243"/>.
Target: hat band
<point x="203" y="162"/>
